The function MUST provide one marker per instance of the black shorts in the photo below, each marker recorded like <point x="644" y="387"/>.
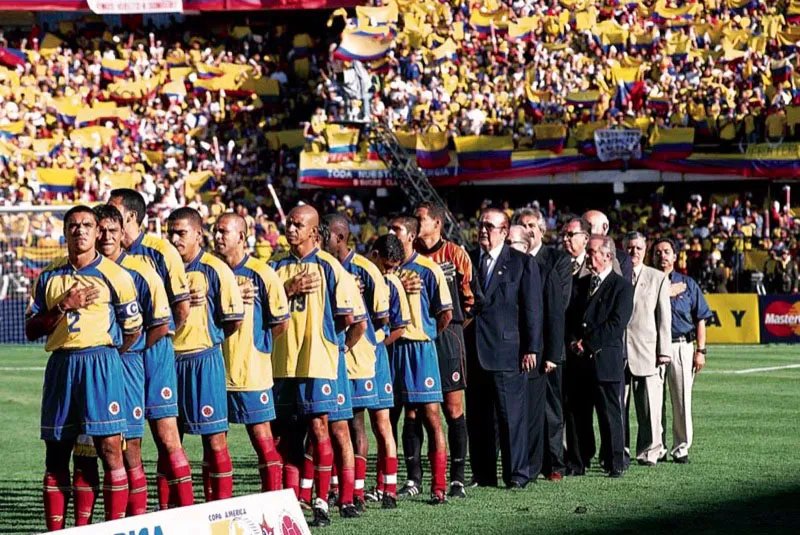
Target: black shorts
<point x="452" y="358"/>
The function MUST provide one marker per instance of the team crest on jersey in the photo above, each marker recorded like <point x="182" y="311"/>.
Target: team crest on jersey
<point x="340" y="399"/>
<point x="368" y="385"/>
<point x="113" y="408"/>
<point x="166" y="393"/>
<point x="264" y="398"/>
<point x="387" y="388"/>
<point x="456" y="376"/>
<point x="429" y="382"/>
<point x="326" y="390"/>
<point x="137" y="412"/>
<point x="207" y="411"/>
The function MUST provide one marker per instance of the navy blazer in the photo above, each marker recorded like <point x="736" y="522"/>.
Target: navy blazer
<point x="555" y="271"/>
<point x="600" y="321"/>
<point x="508" y="319"/>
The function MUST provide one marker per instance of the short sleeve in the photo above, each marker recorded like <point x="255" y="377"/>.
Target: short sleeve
<point x="38" y="300"/>
<point x="380" y="294"/>
<point x="343" y="294"/>
<point x="359" y="310"/>
<point x="399" y="311"/>
<point x="229" y="298"/>
<point x="178" y="287"/>
<point x="162" y="313"/>
<point x="126" y="305"/>
<point x="700" y="309"/>
<point x="441" y="299"/>
<point x="277" y="304"/>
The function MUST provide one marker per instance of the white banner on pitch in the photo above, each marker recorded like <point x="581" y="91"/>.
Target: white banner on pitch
<point x="618" y="144"/>
<point x="269" y="513"/>
<point x="124" y="7"/>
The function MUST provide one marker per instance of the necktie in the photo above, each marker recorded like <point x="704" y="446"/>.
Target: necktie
<point x="633" y="277"/>
<point x="575" y="266"/>
<point x="485" y="273"/>
<point x="594" y="284"/>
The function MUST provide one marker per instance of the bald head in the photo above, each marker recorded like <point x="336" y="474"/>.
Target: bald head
<point x="519" y="238"/>
<point x="230" y="238"/>
<point x="598" y="221"/>
<point x="302" y="226"/>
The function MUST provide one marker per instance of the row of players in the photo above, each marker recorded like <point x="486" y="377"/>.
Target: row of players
<point x="141" y="329"/>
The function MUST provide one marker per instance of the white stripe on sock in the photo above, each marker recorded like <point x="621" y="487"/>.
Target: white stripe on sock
<point x="390" y="479"/>
<point x="359" y="484"/>
<point x="334" y="480"/>
<point x="306" y="483"/>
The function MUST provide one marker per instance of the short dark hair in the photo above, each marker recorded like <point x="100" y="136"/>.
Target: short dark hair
<point x="665" y="240"/>
<point x="186" y="213"/>
<point x="337" y="219"/>
<point x="585" y="226"/>
<point x="410" y="222"/>
<point x="106" y="211"/>
<point x="132" y="200"/>
<point x="389" y="247"/>
<point x="435" y="211"/>
<point x="324" y="230"/>
<point x="80" y="209"/>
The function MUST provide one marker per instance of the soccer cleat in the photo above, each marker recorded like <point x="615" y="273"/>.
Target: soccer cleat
<point x="349" y="511"/>
<point x="359" y="504"/>
<point x="457" y="490"/>
<point x="437" y="498"/>
<point x="373" y="495"/>
<point x="304" y="505"/>
<point x="321" y="517"/>
<point x="333" y="498"/>
<point x="388" y="502"/>
<point x="409" y="490"/>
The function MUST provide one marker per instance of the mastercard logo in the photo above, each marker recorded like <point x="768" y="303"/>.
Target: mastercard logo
<point x="782" y="319"/>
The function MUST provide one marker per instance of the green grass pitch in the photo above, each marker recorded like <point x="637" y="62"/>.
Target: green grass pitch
<point x="744" y="475"/>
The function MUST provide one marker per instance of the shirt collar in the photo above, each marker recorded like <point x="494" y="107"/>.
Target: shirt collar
<point x="536" y="251"/>
<point x="603" y="274"/>
<point x="637" y="270"/>
<point x="494" y="253"/>
<point x="580" y="258"/>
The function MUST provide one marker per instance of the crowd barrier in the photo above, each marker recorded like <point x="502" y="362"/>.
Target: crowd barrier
<point x="737" y="319"/>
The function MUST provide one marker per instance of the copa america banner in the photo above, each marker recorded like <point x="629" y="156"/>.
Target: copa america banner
<point x="618" y="144"/>
<point x="124" y="7"/>
<point x="269" y="513"/>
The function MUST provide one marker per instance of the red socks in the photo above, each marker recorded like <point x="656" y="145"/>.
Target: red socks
<point x="207" y="476"/>
<point x="438" y="468"/>
<point x="270" y="464"/>
<point x="55" y="492"/>
<point x="179" y="474"/>
<point x="307" y="478"/>
<point x="220" y="476"/>
<point x="137" y="492"/>
<point x="85" y="485"/>
<point x="390" y="476"/>
<point x="161" y="482"/>
<point x="323" y="459"/>
<point x="291" y="476"/>
<point x="347" y="479"/>
<point x="360" y="476"/>
<point x="115" y="493"/>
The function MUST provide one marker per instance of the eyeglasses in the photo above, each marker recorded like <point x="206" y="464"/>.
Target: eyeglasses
<point x="490" y="227"/>
<point x="571" y="234"/>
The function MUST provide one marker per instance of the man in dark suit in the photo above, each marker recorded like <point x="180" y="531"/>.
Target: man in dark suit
<point x="622" y="260"/>
<point x="503" y="343"/>
<point x="544" y="384"/>
<point x="598" y="314"/>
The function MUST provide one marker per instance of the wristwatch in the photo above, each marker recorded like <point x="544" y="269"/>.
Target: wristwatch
<point x="703" y="350"/>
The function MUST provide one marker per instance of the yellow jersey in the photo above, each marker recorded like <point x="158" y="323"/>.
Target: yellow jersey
<point x="203" y="327"/>
<point x="247" y="352"/>
<point x="433" y="299"/>
<point x="399" y="312"/>
<point x="115" y="311"/>
<point x="151" y="296"/>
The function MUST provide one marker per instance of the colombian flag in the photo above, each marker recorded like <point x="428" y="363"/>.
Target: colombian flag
<point x="342" y="143"/>
<point x="550" y="137"/>
<point x="672" y="143"/>
<point x="7" y="131"/>
<point x="53" y="180"/>
<point x="12" y="57"/>
<point x="358" y="47"/>
<point x="301" y="44"/>
<point x="781" y="71"/>
<point x="483" y="22"/>
<point x="583" y="99"/>
<point x="521" y="30"/>
<point x="659" y="105"/>
<point x="114" y="69"/>
<point x="584" y="135"/>
<point x="206" y="72"/>
<point x="446" y="52"/>
<point x="484" y="152"/>
<point x="432" y="150"/>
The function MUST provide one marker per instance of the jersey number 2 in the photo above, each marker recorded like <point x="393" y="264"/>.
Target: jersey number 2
<point x="72" y="322"/>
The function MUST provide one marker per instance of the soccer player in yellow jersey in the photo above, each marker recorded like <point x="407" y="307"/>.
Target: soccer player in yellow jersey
<point x="160" y="381"/>
<point x="248" y="362"/>
<point x="362" y="358"/>
<point x="86" y="306"/>
<point x="416" y="364"/>
<point x="216" y="313"/>
<point x="306" y="358"/>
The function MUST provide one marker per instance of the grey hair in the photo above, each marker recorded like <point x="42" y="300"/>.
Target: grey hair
<point x="530" y="212"/>
<point x="633" y="235"/>
<point x="608" y="244"/>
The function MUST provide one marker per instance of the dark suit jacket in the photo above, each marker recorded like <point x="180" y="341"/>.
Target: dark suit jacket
<point x="555" y="271"/>
<point x="625" y="265"/>
<point x="508" y="321"/>
<point x="600" y="321"/>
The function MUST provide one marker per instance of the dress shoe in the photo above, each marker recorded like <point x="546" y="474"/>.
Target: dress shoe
<point x="555" y="477"/>
<point x="681" y="460"/>
<point x="615" y="474"/>
<point x="645" y="463"/>
<point x="516" y="486"/>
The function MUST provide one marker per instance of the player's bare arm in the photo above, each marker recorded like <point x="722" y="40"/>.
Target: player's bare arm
<point x="443" y="319"/>
<point x="355" y="332"/>
<point x="155" y="334"/>
<point x="128" y="340"/>
<point x="394" y="335"/>
<point x="230" y="327"/>
<point x="279" y="328"/>
<point x="180" y="311"/>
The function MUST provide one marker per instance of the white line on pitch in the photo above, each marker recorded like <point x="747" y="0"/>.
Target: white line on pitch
<point x="755" y="370"/>
<point x="21" y="369"/>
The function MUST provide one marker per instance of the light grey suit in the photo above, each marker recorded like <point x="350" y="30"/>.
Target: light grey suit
<point x="649" y="334"/>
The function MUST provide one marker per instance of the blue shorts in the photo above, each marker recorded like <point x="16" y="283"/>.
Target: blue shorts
<point x="364" y="393"/>
<point x="160" y="381"/>
<point x="254" y="407"/>
<point x="416" y="372"/>
<point x="133" y="376"/>
<point x="202" y="399"/>
<point x="82" y="394"/>
<point x="383" y="379"/>
<point x="344" y="395"/>
<point x="304" y="395"/>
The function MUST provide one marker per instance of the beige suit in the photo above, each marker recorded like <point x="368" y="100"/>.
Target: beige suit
<point x="648" y="335"/>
